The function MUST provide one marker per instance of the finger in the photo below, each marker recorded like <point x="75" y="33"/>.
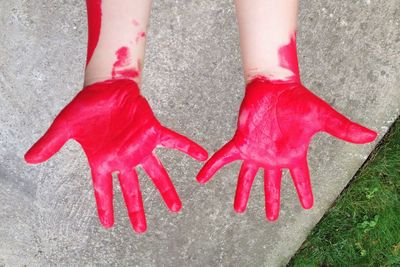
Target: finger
<point x="161" y="180"/>
<point x="341" y="127"/>
<point x="49" y="144"/>
<point x="246" y="177"/>
<point x="133" y="198"/>
<point x="174" y="140"/>
<point x="103" y="192"/>
<point x="272" y="189"/>
<point x="225" y="155"/>
<point x="301" y="179"/>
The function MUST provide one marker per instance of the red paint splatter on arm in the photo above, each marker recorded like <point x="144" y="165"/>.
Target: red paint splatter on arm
<point x="139" y="36"/>
<point x="121" y="68"/>
<point x="288" y="58"/>
<point x="94" y="25"/>
<point x="128" y="73"/>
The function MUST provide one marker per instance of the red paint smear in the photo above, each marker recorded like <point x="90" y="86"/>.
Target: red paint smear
<point x="128" y="73"/>
<point x="119" y="67"/>
<point x="288" y="58"/>
<point x="135" y="22"/>
<point x="139" y="36"/>
<point x="94" y="25"/>
<point x="122" y="56"/>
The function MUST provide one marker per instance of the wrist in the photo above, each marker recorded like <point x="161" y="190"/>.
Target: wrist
<point x="114" y="84"/>
<point x="276" y="63"/>
<point x="274" y="76"/>
<point x="97" y="79"/>
<point x="119" y="65"/>
<point x="263" y="84"/>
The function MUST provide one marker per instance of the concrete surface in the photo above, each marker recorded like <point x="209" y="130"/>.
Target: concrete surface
<point x="349" y="53"/>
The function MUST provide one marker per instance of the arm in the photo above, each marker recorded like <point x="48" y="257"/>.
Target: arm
<point x="117" y="37"/>
<point x="268" y="39"/>
<point x="278" y="116"/>
<point x="109" y="118"/>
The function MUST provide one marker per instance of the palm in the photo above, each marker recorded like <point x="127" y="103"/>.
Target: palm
<point x="275" y="127"/>
<point x="118" y="131"/>
<point x="123" y="128"/>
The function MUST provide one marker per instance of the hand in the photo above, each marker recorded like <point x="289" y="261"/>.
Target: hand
<point x="275" y="127"/>
<point x="118" y="131"/>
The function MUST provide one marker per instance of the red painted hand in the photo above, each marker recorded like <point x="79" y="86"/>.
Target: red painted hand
<point x="275" y="127"/>
<point x="118" y="131"/>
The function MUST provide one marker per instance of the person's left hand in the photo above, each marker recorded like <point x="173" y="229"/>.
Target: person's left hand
<point x="275" y="126"/>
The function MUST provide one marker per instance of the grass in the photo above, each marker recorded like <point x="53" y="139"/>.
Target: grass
<point x="363" y="226"/>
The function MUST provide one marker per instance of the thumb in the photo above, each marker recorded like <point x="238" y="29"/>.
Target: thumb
<point x="341" y="127"/>
<point x="51" y="142"/>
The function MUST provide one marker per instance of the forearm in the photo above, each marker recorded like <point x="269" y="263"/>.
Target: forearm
<point x="268" y="39"/>
<point x="116" y="44"/>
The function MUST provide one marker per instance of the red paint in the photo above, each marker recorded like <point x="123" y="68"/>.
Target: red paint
<point x="121" y="67"/>
<point x="126" y="73"/>
<point x="94" y="24"/>
<point x="276" y="124"/>
<point x="118" y="131"/>
<point x="288" y="59"/>
<point x="135" y="22"/>
<point x="139" y="36"/>
<point x="122" y="56"/>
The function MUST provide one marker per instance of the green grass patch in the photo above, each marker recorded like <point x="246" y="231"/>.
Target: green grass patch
<point x="363" y="226"/>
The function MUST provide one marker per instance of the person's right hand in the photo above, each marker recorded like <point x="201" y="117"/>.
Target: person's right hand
<point x="118" y="131"/>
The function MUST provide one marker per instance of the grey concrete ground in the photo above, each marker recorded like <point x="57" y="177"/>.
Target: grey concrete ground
<point x="349" y="53"/>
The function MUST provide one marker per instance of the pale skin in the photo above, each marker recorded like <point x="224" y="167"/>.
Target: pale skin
<point x="264" y="27"/>
<point x="123" y="24"/>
